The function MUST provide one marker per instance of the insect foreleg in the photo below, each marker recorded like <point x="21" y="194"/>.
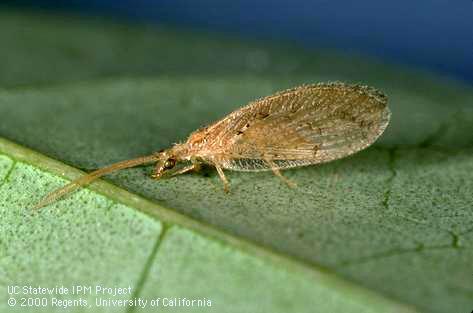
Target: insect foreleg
<point x="193" y="167"/>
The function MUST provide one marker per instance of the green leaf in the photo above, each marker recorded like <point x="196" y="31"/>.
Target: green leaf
<point x="103" y="240"/>
<point x="395" y="218"/>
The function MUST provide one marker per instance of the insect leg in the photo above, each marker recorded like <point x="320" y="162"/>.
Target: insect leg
<point x="223" y="178"/>
<point x="194" y="167"/>
<point x="277" y="172"/>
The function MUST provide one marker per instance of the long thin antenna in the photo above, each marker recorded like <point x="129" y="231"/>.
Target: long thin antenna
<point x="87" y="179"/>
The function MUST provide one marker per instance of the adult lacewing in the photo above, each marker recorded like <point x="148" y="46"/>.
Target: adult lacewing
<point x="306" y="125"/>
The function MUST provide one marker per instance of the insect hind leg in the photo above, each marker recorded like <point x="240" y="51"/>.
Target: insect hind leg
<point x="278" y="173"/>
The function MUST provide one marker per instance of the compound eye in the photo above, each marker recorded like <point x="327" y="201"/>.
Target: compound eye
<point x="169" y="164"/>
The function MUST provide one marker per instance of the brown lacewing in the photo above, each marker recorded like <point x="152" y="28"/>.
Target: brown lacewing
<point x="302" y="126"/>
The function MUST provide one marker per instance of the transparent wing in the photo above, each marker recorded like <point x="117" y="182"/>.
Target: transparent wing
<point x="302" y="126"/>
<point x="257" y="165"/>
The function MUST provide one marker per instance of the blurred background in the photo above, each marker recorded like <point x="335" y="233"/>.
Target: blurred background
<point x="432" y="35"/>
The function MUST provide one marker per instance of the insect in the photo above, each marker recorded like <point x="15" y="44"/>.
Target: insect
<point x="306" y="125"/>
